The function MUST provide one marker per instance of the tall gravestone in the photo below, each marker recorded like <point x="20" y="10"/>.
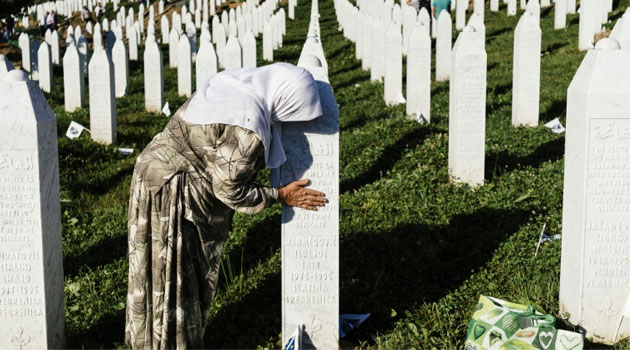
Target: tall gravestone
<point x="460" y="14"/>
<point x="153" y="78"/>
<point x="25" y="47"/>
<point x="594" y="283"/>
<point x="233" y="54"/>
<point x="494" y="5"/>
<point x="164" y="27"/>
<point x="587" y="24"/>
<point x="207" y="64"/>
<point x="173" y="42"/>
<point x="44" y="64"/>
<point x="393" y="67"/>
<point x="267" y="43"/>
<point x="310" y="239"/>
<point x="511" y="7"/>
<point x="379" y="34"/>
<point x="32" y="313"/>
<point x="102" y="98"/>
<point x="443" y="47"/>
<point x="184" y="67"/>
<point x="419" y="74"/>
<point x="54" y="47"/>
<point x="133" y="44"/>
<point x="526" y="72"/>
<point x="121" y="68"/>
<point x="467" y="109"/>
<point x="560" y="14"/>
<point x="220" y="47"/>
<point x="73" y="80"/>
<point x="249" y="50"/>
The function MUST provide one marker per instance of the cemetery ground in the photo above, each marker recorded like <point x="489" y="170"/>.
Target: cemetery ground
<point x="416" y="250"/>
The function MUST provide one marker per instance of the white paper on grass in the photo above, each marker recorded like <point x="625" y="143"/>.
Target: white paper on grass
<point x="165" y="110"/>
<point x="74" y="130"/>
<point x="126" y="151"/>
<point x="555" y="126"/>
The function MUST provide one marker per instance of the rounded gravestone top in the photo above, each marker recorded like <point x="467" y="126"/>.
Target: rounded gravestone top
<point x="607" y="44"/>
<point x="311" y="61"/>
<point x="15" y="75"/>
<point x="469" y="29"/>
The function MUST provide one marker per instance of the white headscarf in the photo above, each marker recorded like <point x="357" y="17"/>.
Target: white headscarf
<point x="258" y="99"/>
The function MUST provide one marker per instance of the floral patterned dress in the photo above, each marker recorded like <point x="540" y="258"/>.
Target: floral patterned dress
<point x="186" y="185"/>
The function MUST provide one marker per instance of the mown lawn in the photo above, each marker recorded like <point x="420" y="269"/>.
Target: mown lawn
<point x="416" y="250"/>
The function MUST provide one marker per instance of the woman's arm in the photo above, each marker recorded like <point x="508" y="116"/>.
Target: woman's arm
<point x="234" y="171"/>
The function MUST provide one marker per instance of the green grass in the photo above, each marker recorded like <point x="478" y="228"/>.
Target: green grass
<point x="416" y="251"/>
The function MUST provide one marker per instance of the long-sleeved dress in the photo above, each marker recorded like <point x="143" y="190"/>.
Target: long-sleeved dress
<point x="186" y="185"/>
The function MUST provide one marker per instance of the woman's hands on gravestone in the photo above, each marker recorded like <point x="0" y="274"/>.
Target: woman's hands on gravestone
<point x="295" y="195"/>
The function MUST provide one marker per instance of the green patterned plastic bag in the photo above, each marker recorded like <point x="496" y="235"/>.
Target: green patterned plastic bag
<point x="500" y="325"/>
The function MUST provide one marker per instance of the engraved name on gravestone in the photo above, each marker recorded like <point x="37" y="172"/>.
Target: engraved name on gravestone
<point x="31" y="269"/>
<point x="595" y="265"/>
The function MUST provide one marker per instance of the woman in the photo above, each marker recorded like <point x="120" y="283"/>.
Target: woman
<point x="188" y="182"/>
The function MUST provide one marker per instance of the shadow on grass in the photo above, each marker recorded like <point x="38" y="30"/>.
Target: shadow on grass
<point x="254" y="315"/>
<point x="108" y="332"/>
<point x="505" y="161"/>
<point x="390" y="155"/>
<point x="412" y="264"/>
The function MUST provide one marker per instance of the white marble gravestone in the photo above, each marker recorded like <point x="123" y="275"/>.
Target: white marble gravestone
<point x="184" y="67"/>
<point x="526" y="72"/>
<point x="32" y="316"/>
<point x="494" y="5"/>
<point x="511" y="7"/>
<point x="233" y="54"/>
<point x="267" y="43"/>
<point x="594" y="283"/>
<point x="45" y="70"/>
<point x="97" y="39"/>
<point x="173" y="42"/>
<point x="310" y="239"/>
<point x="153" y="78"/>
<point x="133" y="43"/>
<point x="419" y="74"/>
<point x="460" y="14"/>
<point x="164" y="27"/>
<point x="366" y="38"/>
<point x="54" y="47"/>
<point x="587" y="24"/>
<point x="443" y="47"/>
<point x="571" y="6"/>
<point x="467" y="109"/>
<point x="102" y="98"/>
<point x="377" y="69"/>
<point x="207" y="64"/>
<point x="220" y="45"/>
<point x="121" y="68"/>
<point x="393" y="66"/>
<point x="73" y="80"/>
<point x="249" y="50"/>
<point x="560" y="14"/>
<point x="25" y="47"/>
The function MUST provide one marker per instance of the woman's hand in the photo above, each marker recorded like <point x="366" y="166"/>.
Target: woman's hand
<point x="295" y="195"/>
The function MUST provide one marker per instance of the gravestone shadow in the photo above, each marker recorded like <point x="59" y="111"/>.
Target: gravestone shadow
<point x="411" y="264"/>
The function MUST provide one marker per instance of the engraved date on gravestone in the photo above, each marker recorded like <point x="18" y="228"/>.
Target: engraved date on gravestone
<point x="607" y="222"/>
